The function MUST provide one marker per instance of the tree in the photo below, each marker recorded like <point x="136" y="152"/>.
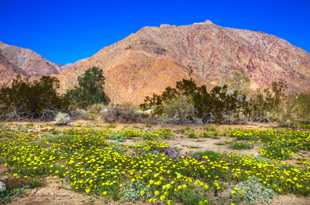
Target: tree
<point x="90" y="89"/>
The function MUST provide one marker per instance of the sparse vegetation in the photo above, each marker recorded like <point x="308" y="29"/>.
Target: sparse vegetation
<point x="123" y="114"/>
<point x="188" y="102"/>
<point x="241" y="145"/>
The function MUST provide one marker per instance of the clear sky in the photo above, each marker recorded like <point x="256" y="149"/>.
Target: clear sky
<point x="64" y="31"/>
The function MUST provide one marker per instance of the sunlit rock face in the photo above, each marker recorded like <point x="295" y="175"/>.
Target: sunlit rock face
<point x="19" y="61"/>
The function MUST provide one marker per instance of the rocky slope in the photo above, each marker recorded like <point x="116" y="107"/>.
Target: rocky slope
<point x="156" y="57"/>
<point x="19" y="61"/>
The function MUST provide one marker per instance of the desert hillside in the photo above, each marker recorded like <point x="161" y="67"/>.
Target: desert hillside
<point x="156" y="57"/>
<point x="24" y="62"/>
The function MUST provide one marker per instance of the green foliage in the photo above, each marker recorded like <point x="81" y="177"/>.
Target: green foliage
<point x="190" y="132"/>
<point x="16" y="186"/>
<point x="252" y="191"/>
<point x="135" y="191"/>
<point x="303" y="105"/>
<point x="180" y="109"/>
<point x="241" y="145"/>
<point x="192" y="197"/>
<point x="123" y="114"/>
<point x="279" y="149"/>
<point x="90" y="90"/>
<point x="32" y="99"/>
<point x="277" y="143"/>
<point x="221" y="104"/>
<point x="214" y="156"/>
<point x="267" y="102"/>
<point x="297" y="111"/>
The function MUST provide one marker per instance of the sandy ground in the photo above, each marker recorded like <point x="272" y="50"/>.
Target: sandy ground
<point x="53" y="193"/>
<point x="189" y="145"/>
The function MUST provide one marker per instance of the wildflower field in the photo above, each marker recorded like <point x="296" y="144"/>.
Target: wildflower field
<point x="95" y="161"/>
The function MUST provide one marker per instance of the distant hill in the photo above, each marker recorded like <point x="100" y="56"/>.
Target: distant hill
<point x="19" y="61"/>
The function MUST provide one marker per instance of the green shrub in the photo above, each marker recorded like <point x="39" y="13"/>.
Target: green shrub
<point x="210" y="154"/>
<point x="279" y="149"/>
<point x="209" y="134"/>
<point x="32" y="99"/>
<point x="90" y="89"/>
<point x="189" y="101"/>
<point x="179" y="110"/>
<point x="192" y="197"/>
<point x="241" y="145"/>
<point x="135" y="191"/>
<point x="189" y="132"/>
<point x="252" y="191"/>
<point x="16" y="187"/>
<point x="123" y="114"/>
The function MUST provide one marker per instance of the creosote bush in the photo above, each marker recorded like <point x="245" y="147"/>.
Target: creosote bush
<point x="31" y="99"/>
<point x="123" y="114"/>
<point x="188" y="101"/>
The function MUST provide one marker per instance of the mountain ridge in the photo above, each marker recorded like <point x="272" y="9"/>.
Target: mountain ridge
<point x="215" y="54"/>
<point x="23" y="62"/>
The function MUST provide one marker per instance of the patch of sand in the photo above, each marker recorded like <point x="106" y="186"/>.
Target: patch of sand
<point x="187" y="145"/>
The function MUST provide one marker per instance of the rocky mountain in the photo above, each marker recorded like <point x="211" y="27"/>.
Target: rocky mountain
<point x="20" y="61"/>
<point x="156" y="57"/>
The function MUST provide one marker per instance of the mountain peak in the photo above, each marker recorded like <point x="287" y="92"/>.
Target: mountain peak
<point x="208" y="21"/>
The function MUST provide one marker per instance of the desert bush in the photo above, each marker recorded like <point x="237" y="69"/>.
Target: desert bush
<point x="190" y="132"/>
<point x="192" y="197"/>
<point x="297" y="112"/>
<point x="89" y="91"/>
<point x="15" y="186"/>
<point x="221" y="104"/>
<point x="31" y="99"/>
<point x="180" y="109"/>
<point x="96" y="108"/>
<point x="62" y="119"/>
<point x="123" y="114"/>
<point x="252" y="191"/>
<point x="241" y="145"/>
<point x="135" y="191"/>
<point x="81" y="114"/>
<point x="279" y="149"/>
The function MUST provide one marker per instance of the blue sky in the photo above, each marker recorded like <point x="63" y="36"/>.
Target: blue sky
<point x="64" y="31"/>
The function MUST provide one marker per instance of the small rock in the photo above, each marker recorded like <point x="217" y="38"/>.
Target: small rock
<point x="62" y="119"/>
<point x="2" y="187"/>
